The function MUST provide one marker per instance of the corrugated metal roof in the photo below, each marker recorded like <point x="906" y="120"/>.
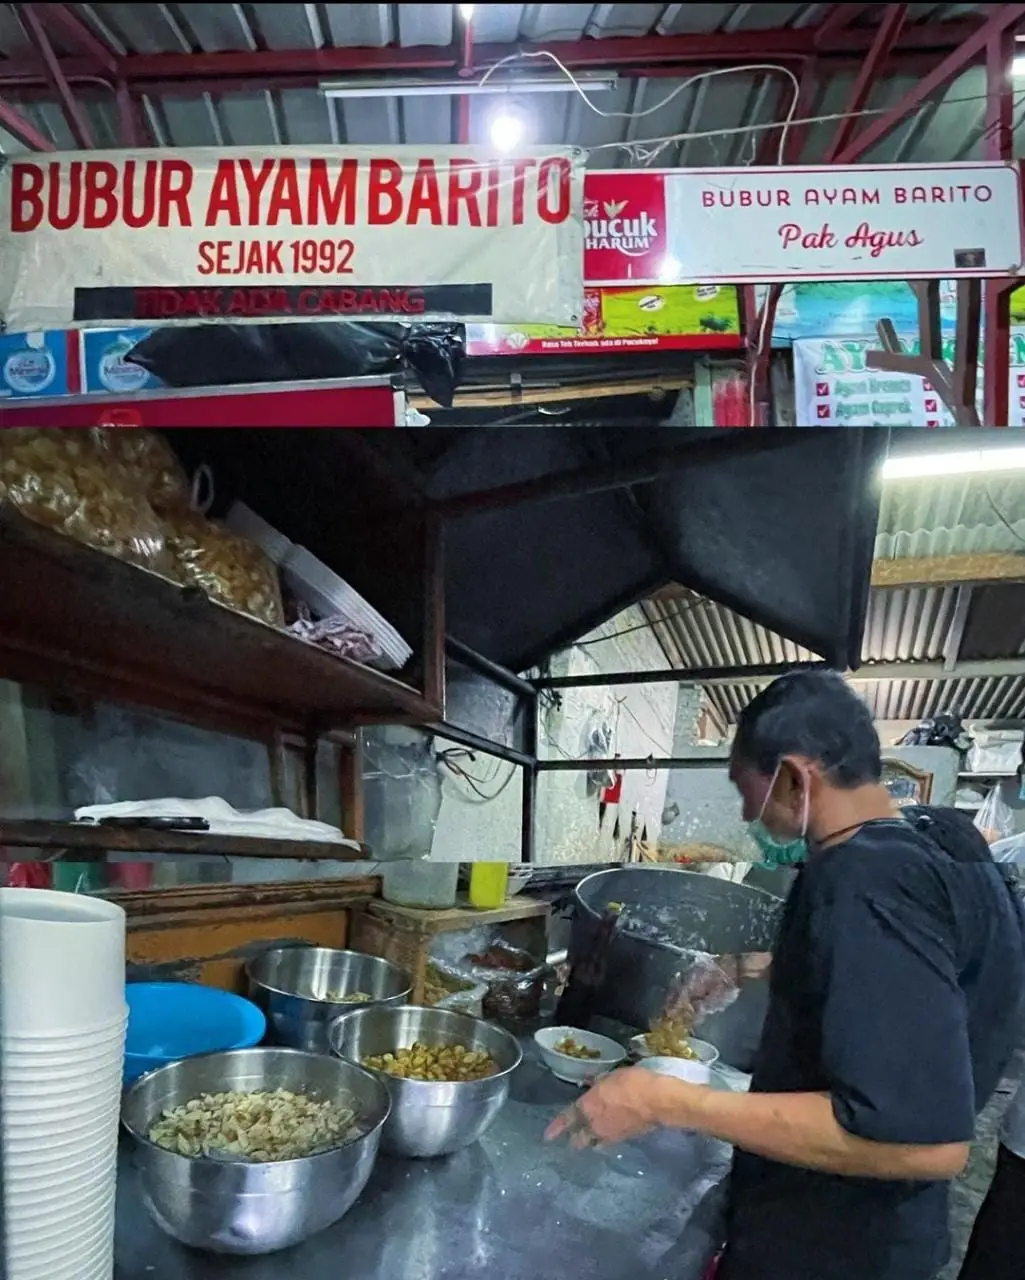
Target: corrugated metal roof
<point x="993" y="698"/>
<point x="946" y="515"/>
<point x="952" y="515"/>
<point x="903" y="625"/>
<point x="949" y="128"/>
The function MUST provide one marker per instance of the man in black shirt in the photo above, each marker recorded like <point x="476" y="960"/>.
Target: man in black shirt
<point x="895" y="993"/>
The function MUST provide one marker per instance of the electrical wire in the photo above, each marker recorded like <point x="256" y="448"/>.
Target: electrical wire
<point x="624" y="706"/>
<point x="642" y="626"/>
<point x="476" y="785"/>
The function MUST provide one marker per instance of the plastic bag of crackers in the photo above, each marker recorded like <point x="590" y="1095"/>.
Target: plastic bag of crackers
<point x="227" y="568"/>
<point x="67" y="481"/>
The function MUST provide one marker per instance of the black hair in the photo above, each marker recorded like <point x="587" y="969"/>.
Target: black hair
<point x="815" y="714"/>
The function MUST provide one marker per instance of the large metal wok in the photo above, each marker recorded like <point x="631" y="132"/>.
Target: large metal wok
<point x="664" y="909"/>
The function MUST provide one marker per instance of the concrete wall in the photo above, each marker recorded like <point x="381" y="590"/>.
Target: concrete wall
<point x="643" y="719"/>
<point x="702" y="805"/>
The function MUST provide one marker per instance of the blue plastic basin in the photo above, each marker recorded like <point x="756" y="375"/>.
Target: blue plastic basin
<point x="168" y="1021"/>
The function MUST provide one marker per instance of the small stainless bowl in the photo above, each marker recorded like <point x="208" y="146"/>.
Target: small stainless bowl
<point x="294" y="987"/>
<point x="240" y="1207"/>
<point x="429" y="1118"/>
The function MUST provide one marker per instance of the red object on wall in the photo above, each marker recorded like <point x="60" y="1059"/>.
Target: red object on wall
<point x="29" y="875"/>
<point x="731" y="400"/>
<point x="131" y="875"/>
<point x="611" y="795"/>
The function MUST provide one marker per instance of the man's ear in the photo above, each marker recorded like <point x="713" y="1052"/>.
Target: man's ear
<point x="790" y="773"/>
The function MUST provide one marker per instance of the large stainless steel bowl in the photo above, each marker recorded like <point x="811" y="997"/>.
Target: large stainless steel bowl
<point x="666" y="908"/>
<point x="230" y="1206"/>
<point x="298" y="989"/>
<point x="430" y="1118"/>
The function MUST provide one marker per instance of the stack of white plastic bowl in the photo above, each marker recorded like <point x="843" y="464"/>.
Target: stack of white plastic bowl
<point x="62" y="1036"/>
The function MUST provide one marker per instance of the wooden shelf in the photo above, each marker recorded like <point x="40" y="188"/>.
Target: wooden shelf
<point x="79" y="621"/>
<point x="462" y="916"/>
<point x="98" y="839"/>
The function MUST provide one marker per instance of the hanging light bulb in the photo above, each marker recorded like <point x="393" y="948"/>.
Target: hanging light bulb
<point x="466" y="11"/>
<point x="507" y="131"/>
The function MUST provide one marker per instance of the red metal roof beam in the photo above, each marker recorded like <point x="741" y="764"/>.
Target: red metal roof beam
<point x="616" y="53"/>
<point x="18" y="127"/>
<point x="62" y="18"/>
<point x="257" y="63"/>
<point x="998" y="144"/>
<point x="73" y="113"/>
<point x="887" y="35"/>
<point x="1002" y="18"/>
<point x="28" y="87"/>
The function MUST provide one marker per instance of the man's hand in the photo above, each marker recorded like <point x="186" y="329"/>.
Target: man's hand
<point x="792" y="1128"/>
<point x="755" y="964"/>
<point x="617" y="1107"/>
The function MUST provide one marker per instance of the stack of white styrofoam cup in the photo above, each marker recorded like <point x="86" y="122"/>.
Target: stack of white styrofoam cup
<point x="62" y="1036"/>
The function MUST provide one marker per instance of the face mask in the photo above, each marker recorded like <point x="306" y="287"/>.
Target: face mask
<point x="775" y="851"/>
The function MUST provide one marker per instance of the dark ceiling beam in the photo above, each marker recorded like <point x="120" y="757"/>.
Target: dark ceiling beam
<point x="765" y="673"/>
<point x="973" y="568"/>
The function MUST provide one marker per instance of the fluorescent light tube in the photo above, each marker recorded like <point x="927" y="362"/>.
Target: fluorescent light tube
<point x="920" y="465"/>
<point x="412" y="88"/>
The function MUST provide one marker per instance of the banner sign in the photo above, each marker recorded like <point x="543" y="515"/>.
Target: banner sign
<point x="291" y="233"/>
<point x="833" y="386"/>
<point x="624" y="212"/>
<point x="656" y="318"/>
<point x="853" y="310"/>
<point x="856" y="222"/>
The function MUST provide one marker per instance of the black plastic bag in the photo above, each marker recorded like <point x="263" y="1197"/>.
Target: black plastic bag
<point x="233" y="355"/>
<point x="938" y="731"/>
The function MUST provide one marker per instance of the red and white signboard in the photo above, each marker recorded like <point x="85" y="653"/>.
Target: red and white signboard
<point x="349" y="402"/>
<point x="859" y="222"/>
<point x="291" y="233"/>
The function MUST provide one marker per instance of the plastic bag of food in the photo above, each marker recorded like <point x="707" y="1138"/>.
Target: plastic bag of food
<point x="700" y="989"/>
<point x="150" y="461"/>
<point x="996" y="817"/>
<point x="64" y="480"/>
<point x="230" y="569"/>
<point x="446" y="990"/>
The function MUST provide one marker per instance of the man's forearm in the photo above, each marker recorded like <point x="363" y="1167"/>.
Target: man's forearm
<point x="800" y="1129"/>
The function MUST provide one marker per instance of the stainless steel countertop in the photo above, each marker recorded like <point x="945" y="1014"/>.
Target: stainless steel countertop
<point x="511" y="1207"/>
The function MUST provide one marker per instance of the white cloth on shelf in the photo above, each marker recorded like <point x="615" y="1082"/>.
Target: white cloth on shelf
<point x="224" y="820"/>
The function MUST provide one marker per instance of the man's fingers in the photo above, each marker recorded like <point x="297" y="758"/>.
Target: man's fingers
<point x="558" y="1127"/>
